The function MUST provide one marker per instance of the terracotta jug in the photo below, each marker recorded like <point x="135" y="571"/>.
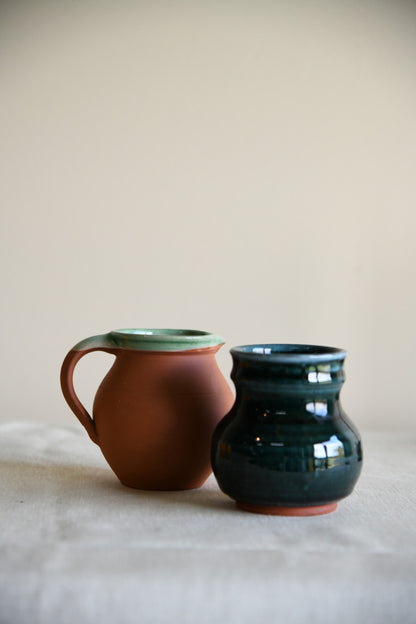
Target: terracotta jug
<point x="155" y="411"/>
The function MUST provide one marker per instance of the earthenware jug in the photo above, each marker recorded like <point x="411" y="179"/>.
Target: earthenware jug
<point x="155" y="411"/>
<point x="287" y="447"/>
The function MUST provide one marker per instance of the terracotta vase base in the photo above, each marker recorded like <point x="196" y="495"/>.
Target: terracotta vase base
<point x="316" y="510"/>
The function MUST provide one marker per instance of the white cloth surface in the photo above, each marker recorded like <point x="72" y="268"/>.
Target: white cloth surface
<point x="77" y="546"/>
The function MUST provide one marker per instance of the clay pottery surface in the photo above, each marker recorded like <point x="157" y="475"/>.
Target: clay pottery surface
<point x="287" y="447"/>
<point x="155" y="411"/>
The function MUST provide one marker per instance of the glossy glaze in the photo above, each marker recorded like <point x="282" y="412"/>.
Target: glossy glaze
<point x="287" y="445"/>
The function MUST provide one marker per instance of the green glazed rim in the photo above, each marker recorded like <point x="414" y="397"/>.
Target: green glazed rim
<point x="150" y="339"/>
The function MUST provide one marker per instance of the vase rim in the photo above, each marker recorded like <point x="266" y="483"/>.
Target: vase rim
<point x="164" y="339"/>
<point x="288" y="353"/>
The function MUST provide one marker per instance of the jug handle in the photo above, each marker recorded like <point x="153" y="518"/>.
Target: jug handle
<point x="94" y="343"/>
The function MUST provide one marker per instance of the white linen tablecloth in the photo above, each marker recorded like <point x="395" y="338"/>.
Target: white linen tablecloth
<point x="77" y="546"/>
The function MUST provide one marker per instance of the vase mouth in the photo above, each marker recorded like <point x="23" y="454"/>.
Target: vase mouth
<point x="164" y="339"/>
<point x="288" y="353"/>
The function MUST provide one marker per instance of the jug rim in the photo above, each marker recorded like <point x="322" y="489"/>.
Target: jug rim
<point x="164" y="339"/>
<point x="288" y="353"/>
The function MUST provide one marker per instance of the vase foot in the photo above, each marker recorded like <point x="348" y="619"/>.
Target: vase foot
<point x="315" y="510"/>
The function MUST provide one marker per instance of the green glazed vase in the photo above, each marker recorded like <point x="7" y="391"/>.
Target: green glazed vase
<point x="287" y="447"/>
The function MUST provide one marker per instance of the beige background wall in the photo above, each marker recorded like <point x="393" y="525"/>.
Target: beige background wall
<point x="242" y="167"/>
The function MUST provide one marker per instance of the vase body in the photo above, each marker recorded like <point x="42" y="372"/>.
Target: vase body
<point x="286" y="446"/>
<point x="155" y="411"/>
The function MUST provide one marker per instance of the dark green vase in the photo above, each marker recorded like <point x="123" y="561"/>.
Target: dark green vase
<point x="287" y="447"/>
